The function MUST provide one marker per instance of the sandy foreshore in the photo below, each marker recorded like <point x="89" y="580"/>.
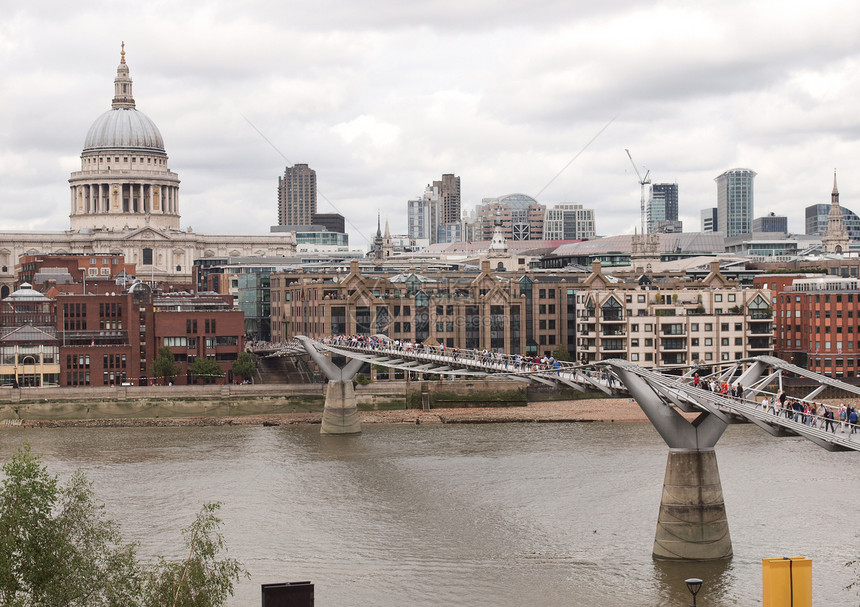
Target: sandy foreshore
<point x="590" y="410"/>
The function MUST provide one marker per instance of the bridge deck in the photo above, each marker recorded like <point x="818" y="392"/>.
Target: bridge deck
<point x="682" y="392"/>
<point x="673" y="390"/>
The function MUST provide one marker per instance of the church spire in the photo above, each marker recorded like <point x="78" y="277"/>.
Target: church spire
<point x="836" y="239"/>
<point x="122" y="97"/>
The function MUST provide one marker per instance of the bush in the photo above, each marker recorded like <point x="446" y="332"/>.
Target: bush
<point x="361" y="379"/>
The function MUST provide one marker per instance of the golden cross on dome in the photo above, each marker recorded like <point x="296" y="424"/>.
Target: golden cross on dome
<point x="122" y="53"/>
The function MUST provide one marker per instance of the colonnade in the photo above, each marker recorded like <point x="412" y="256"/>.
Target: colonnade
<point x="102" y="198"/>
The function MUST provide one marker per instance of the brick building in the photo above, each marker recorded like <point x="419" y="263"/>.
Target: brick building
<point x="110" y="339"/>
<point x="815" y="322"/>
<point x="101" y="267"/>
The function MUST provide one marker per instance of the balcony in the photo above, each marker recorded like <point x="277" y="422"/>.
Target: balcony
<point x="614" y="331"/>
<point x="612" y="317"/>
<point x="613" y="345"/>
<point x="673" y="344"/>
<point x="759" y="343"/>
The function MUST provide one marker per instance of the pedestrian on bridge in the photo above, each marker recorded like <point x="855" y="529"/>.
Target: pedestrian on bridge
<point x="852" y="422"/>
<point x="843" y="416"/>
<point x="828" y="421"/>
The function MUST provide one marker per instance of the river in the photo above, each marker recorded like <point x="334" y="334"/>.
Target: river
<point x="478" y="515"/>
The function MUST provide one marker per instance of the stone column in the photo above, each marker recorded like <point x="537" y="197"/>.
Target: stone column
<point x="692" y="523"/>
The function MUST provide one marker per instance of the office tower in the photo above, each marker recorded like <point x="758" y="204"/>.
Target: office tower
<point x="449" y="194"/>
<point x="297" y="196"/>
<point x="735" y="202"/>
<point x="521" y="217"/>
<point x="655" y="211"/>
<point x="332" y="222"/>
<point x="568" y="222"/>
<point x="423" y="215"/>
<point x="771" y="223"/>
<point x="668" y="192"/>
<point x="709" y="220"/>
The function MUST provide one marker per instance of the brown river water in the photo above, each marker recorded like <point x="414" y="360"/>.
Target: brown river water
<point x="545" y="514"/>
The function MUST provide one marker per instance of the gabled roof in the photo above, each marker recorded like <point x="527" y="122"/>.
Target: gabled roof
<point x="29" y="334"/>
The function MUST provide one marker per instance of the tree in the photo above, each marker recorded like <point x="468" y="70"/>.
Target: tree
<point x="245" y="366"/>
<point x="206" y="368"/>
<point x="57" y="549"/>
<point x="202" y="580"/>
<point x="561" y="353"/>
<point x="56" y="546"/>
<point x="165" y="366"/>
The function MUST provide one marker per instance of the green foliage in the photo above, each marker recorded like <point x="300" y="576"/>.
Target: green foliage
<point x="164" y="366"/>
<point x="245" y="366"/>
<point x="562" y="354"/>
<point x="57" y="549"/>
<point x="202" y="580"/>
<point x="206" y="368"/>
<point x="361" y="379"/>
<point x="56" y="546"/>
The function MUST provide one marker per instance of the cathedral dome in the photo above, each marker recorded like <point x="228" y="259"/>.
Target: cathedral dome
<point x="123" y="127"/>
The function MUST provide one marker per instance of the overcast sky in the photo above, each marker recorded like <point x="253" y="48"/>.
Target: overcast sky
<point x="382" y="97"/>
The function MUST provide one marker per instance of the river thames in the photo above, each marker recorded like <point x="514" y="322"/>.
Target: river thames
<point x="479" y="515"/>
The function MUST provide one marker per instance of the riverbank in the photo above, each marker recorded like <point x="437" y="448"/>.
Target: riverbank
<point x="584" y="410"/>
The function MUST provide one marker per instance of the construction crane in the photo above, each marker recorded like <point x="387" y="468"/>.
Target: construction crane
<point x="642" y="184"/>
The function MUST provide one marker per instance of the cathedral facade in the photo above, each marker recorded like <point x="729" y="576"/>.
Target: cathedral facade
<point x="125" y="200"/>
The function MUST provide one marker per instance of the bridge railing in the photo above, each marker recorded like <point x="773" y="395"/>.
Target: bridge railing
<point x="484" y="358"/>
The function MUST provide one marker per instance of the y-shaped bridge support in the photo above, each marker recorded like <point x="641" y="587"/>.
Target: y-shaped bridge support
<point x="692" y="524"/>
<point x="340" y="414"/>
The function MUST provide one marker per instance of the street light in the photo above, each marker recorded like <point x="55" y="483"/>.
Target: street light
<point x="694" y="584"/>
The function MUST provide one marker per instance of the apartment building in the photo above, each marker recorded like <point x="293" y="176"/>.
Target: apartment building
<point x="651" y="320"/>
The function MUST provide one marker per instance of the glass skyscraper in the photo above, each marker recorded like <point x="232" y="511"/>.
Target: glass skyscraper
<point x="735" y="202"/>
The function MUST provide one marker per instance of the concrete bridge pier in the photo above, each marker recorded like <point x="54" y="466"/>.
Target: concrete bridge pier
<point x="692" y="523"/>
<point x="340" y="413"/>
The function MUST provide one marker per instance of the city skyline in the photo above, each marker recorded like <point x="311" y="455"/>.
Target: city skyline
<point x="380" y="100"/>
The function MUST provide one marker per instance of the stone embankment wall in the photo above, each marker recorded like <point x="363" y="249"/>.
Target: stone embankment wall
<point x="130" y="402"/>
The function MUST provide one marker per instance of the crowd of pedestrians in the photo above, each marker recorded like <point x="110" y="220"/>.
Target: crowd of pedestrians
<point x="499" y="360"/>
<point x="812" y="414"/>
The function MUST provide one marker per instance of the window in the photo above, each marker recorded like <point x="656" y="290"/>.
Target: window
<point x="709" y="341"/>
<point x="724" y="341"/>
<point x="147" y="257"/>
<point x="718" y="297"/>
<point x="709" y="326"/>
<point x="694" y="326"/>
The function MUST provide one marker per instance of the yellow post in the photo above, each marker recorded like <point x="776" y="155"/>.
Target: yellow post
<point x="787" y="582"/>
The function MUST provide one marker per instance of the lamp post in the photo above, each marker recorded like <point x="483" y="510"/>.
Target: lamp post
<point x="694" y="584"/>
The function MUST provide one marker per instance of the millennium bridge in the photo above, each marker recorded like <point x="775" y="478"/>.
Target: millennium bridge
<point x="692" y="522"/>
